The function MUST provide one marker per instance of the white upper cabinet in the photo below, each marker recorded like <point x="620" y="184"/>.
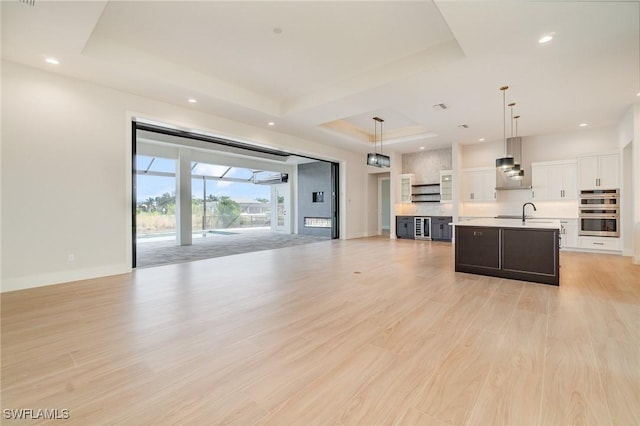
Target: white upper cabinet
<point x="599" y="171"/>
<point x="479" y="185"/>
<point x="609" y="168"/>
<point x="564" y="181"/>
<point x="540" y="181"/>
<point x="556" y="180"/>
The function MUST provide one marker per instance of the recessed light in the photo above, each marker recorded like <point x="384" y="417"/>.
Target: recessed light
<point x="52" y="61"/>
<point x="192" y="101"/>
<point x="271" y="123"/>
<point x="638" y="94"/>
<point x="481" y="140"/>
<point x="422" y="147"/>
<point x="583" y="124"/>
<point x="545" y="39"/>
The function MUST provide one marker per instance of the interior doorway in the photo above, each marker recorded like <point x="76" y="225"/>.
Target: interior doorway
<point x="384" y="206"/>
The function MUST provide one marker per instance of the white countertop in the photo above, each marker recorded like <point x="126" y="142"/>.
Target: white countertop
<point x="511" y="223"/>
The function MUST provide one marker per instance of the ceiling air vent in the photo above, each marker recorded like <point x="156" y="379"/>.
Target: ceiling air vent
<point x="29" y="2"/>
<point x="440" y="107"/>
<point x="463" y="126"/>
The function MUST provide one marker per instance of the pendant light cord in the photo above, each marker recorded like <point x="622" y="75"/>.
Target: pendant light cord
<point x="375" y="134"/>
<point x="504" y="117"/>
<point x="381" y="138"/>
<point x="511" y="105"/>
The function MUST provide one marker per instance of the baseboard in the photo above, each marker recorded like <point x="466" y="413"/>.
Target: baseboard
<point x="358" y="235"/>
<point x="586" y="250"/>
<point x="41" y="280"/>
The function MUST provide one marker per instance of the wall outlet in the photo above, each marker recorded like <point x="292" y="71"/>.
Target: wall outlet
<point x="71" y="257"/>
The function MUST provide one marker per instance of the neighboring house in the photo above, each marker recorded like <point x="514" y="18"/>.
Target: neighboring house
<point x="250" y="206"/>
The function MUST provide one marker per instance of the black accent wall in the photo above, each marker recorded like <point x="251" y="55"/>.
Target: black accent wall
<point x="314" y="181"/>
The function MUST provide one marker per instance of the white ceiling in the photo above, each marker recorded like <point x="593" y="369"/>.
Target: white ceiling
<point x="322" y="69"/>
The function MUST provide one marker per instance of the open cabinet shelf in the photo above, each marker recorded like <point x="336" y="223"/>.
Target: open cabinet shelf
<point x="425" y="193"/>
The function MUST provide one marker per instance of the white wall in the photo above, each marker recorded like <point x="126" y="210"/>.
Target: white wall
<point x="569" y="145"/>
<point x="627" y="201"/>
<point x="636" y="182"/>
<point x="66" y="172"/>
<point x="629" y="143"/>
<point x="394" y="191"/>
<point x="480" y="155"/>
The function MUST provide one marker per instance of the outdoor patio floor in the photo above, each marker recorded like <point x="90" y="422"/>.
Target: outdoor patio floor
<point x="163" y="251"/>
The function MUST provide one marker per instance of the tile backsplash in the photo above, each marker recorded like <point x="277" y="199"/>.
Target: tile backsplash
<point x="426" y="165"/>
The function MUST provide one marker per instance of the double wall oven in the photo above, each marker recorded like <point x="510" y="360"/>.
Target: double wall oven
<point x="599" y="213"/>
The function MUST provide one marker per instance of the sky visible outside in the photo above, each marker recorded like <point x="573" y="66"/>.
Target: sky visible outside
<point x="154" y="186"/>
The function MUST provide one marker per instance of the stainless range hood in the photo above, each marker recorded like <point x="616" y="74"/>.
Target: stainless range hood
<point x="503" y="181"/>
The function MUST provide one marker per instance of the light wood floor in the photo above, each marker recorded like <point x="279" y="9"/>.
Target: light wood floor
<point x="367" y="331"/>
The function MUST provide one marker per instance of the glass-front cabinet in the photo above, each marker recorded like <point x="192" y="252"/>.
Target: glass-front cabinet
<point x="406" y="180"/>
<point x="445" y="186"/>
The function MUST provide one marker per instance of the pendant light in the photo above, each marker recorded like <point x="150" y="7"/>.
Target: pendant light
<point x="373" y="158"/>
<point x="506" y="162"/>
<point x="520" y="173"/>
<point x="513" y="171"/>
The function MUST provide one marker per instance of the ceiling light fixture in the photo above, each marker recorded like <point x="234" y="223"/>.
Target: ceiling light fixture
<point x="52" y="61"/>
<point x="422" y="147"/>
<point x="373" y="158"/>
<point x="271" y="123"/>
<point x="506" y="162"/>
<point x="192" y="100"/>
<point x="545" y="39"/>
<point x="583" y="124"/>
<point x="481" y="140"/>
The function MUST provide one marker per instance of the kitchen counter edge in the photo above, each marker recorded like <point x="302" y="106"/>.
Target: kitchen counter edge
<point x="511" y="223"/>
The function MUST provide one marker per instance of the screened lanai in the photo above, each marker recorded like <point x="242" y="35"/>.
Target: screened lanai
<point x="194" y="202"/>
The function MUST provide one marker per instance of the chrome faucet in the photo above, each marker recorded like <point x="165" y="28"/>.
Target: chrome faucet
<point x="525" y="205"/>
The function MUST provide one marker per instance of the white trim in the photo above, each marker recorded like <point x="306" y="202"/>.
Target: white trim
<point x="592" y="154"/>
<point x="554" y="163"/>
<point x="342" y="212"/>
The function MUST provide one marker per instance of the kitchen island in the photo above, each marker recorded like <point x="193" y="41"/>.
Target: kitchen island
<point x="509" y="248"/>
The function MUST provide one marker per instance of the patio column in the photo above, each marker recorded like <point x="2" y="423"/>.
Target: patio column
<point x="183" y="198"/>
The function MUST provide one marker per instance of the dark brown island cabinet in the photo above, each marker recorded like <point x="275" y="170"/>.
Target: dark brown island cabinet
<point x="528" y="253"/>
